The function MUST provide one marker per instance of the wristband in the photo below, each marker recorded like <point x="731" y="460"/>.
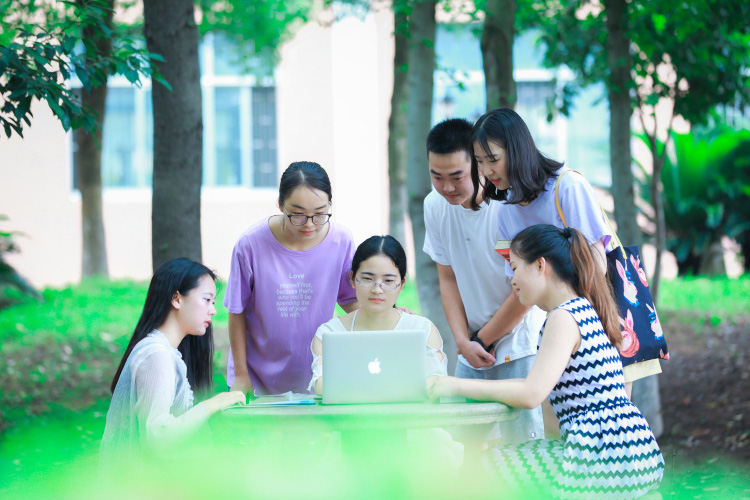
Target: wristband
<point x="475" y="338"/>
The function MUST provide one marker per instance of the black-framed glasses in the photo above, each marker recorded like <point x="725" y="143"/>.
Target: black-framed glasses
<point x="301" y="220"/>
<point x="386" y="286"/>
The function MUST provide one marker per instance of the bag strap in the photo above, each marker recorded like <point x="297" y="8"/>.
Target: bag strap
<point x="562" y="216"/>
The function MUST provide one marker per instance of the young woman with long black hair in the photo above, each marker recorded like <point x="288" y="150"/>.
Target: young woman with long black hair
<point x="169" y="356"/>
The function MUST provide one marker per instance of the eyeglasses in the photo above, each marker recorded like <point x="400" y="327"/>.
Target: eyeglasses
<point x="301" y="220"/>
<point x="386" y="286"/>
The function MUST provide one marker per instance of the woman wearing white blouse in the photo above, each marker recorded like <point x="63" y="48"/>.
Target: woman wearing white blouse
<point x="169" y="355"/>
<point x="378" y="276"/>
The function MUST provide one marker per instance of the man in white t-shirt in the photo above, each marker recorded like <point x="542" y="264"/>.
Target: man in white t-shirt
<point x="496" y="335"/>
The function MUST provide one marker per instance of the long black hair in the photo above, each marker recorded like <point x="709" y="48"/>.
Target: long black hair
<point x="575" y="263"/>
<point x="303" y="173"/>
<point x="176" y="275"/>
<point x="380" y="245"/>
<point x="527" y="168"/>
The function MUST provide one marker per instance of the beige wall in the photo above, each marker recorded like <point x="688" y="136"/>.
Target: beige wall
<point x="333" y="98"/>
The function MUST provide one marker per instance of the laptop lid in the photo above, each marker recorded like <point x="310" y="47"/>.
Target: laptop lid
<point x="374" y="367"/>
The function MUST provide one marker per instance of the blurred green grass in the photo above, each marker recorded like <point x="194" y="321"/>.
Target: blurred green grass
<point x="98" y="306"/>
<point x="719" y="296"/>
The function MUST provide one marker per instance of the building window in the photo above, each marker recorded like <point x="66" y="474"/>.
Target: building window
<point x="118" y="153"/>
<point x="264" y="136"/>
<point x="223" y="159"/>
<point x="239" y="129"/>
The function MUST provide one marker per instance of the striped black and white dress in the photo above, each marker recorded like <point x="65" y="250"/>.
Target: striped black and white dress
<point x="607" y="448"/>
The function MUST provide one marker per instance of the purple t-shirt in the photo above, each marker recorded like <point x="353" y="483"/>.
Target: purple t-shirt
<point x="579" y="205"/>
<point x="285" y="295"/>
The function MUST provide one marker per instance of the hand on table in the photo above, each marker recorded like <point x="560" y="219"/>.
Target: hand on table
<point x="243" y="384"/>
<point x="225" y="400"/>
<point x="443" y="387"/>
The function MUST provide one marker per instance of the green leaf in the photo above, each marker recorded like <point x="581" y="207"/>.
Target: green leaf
<point x="659" y="22"/>
<point x="160" y="79"/>
<point x="652" y="100"/>
<point x="52" y="102"/>
<point x="131" y="75"/>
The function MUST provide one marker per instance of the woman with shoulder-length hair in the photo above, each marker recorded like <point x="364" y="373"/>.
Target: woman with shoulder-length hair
<point x="507" y="166"/>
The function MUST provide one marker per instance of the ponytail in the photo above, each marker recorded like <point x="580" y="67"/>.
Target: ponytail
<point x="594" y="285"/>
<point x="576" y="264"/>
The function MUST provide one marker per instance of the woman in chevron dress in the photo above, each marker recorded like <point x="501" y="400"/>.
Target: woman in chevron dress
<point x="607" y="448"/>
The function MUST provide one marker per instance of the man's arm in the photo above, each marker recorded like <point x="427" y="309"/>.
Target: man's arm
<point x="506" y="318"/>
<point x="456" y="316"/>
<point x="238" y="342"/>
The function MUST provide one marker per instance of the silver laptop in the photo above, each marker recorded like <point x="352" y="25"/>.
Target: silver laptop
<point x="374" y="367"/>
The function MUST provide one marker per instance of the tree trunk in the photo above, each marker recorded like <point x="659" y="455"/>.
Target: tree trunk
<point x="88" y="157"/>
<point x="655" y="191"/>
<point x="712" y="258"/>
<point x="170" y="30"/>
<point x="744" y="241"/>
<point x="645" y="391"/>
<point x="620" y="109"/>
<point x="497" y="53"/>
<point x="418" y="120"/>
<point x="397" y="128"/>
<point x="660" y="236"/>
<point x="646" y="398"/>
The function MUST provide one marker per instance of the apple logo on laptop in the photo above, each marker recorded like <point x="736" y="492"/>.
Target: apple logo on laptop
<point x="374" y="366"/>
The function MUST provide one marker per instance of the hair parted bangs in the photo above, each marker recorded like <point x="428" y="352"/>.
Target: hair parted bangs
<point x="528" y="170"/>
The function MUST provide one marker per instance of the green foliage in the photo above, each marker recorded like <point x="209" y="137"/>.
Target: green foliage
<point x="572" y="40"/>
<point x="706" y="44"/>
<point x="37" y="60"/>
<point x="256" y="29"/>
<point x="706" y="191"/>
<point x="718" y="298"/>
<point x="93" y="310"/>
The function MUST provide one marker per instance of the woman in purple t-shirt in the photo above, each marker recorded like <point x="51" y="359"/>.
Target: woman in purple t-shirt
<point x="516" y="173"/>
<point x="287" y="274"/>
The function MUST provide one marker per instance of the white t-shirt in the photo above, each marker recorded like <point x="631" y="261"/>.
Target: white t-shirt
<point x="465" y="240"/>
